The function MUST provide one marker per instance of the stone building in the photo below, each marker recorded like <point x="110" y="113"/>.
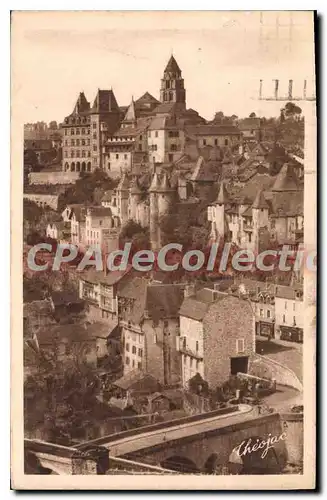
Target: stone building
<point x="86" y="129"/>
<point x="148" y="316"/>
<point x="217" y="336"/>
<point x="268" y="208"/>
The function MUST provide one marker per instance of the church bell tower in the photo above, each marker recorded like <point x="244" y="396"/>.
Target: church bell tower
<point x="172" y="85"/>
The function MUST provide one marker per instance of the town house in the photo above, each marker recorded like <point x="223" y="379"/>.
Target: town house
<point x="217" y="336"/>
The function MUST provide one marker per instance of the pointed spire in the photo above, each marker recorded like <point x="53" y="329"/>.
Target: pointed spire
<point x="223" y="196"/>
<point x="172" y="66"/>
<point x="260" y="201"/>
<point x="130" y="115"/>
<point x="285" y="180"/>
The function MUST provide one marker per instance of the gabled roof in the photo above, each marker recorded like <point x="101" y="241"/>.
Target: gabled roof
<point x="99" y="211"/>
<point x="285" y="180"/>
<point x="172" y="66"/>
<point x="164" y="301"/>
<point x="105" y="101"/>
<point x="145" y="99"/>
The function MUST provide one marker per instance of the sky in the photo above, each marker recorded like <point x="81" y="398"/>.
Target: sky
<point x="222" y="55"/>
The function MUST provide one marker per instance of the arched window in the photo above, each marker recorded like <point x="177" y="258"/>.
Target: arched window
<point x="89" y="166"/>
<point x="171" y="96"/>
<point x="72" y="167"/>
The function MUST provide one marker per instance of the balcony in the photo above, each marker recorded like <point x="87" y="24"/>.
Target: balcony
<point x="247" y="226"/>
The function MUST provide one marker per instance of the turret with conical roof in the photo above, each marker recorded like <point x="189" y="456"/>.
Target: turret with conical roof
<point x="135" y="194"/>
<point x="130" y="116"/>
<point x="223" y="196"/>
<point x="154" y="183"/>
<point x="260" y="219"/>
<point x="172" y="85"/>
<point x="122" y="197"/>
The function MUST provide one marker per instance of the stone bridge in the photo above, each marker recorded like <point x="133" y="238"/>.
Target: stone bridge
<point x="201" y="443"/>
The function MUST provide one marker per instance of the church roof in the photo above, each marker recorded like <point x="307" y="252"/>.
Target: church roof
<point x="105" y="101"/>
<point x="172" y="66"/>
<point x="260" y="201"/>
<point x="285" y="180"/>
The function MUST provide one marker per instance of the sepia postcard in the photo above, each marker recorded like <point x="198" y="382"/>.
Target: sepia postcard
<point x="163" y="246"/>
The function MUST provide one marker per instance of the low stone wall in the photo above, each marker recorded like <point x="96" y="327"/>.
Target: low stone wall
<point x="265" y="367"/>
<point x="292" y="424"/>
<point x="53" y="177"/>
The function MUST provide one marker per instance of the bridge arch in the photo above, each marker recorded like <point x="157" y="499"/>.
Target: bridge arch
<point x="180" y="464"/>
<point x="255" y="463"/>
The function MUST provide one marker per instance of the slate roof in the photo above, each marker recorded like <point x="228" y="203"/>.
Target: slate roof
<point x="194" y="309"/>
<point x="165" y="108"/>
<point x="287" y="204"/>
<point x="82" y="104"/>
<point x="100" y="211"/>
<point x="212" y="130"/>
<point x="105" y="101"/>
<point x="288" y="292"/>
<point x="112" y="277"/>
<point x="132" y="131"/>
<point x="172" y="66"/>
<point x="164" y="301"/>
<point x="223" y="196"/>
<point x="286" y="179"/>
<point x="135" y="377"/>
<point x="130" y="113"/>
<point x="260" y="201"/>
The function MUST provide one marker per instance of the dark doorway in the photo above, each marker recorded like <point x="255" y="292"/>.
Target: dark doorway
<point x="239" y="365"/>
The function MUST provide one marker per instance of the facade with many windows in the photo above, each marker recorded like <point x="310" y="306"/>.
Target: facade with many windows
<point x="85" y="131"/>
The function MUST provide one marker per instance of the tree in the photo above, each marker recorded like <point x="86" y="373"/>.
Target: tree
<point x="252" y="115"/>
<point x="53" y="125"/>
<point x="85" y="190"/>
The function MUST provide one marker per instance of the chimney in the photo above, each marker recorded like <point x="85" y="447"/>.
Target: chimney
<point x="260" y="90"/>
<point x="305" y="89"/>
<point x="290" y="89"/>
<point x="189" y="290"/>
<point x="276" y="88"/>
